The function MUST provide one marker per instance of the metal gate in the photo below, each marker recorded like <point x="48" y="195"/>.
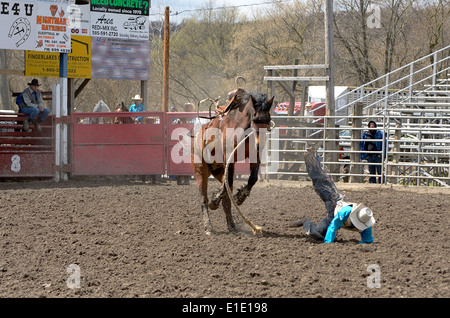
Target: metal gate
<point x="26" y="154"/>
<point x="100" y="147"/>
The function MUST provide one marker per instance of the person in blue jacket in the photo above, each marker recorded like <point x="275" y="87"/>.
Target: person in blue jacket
<point x="137" y="107"/>
<point x="372" y="145"/>
<point x="340" y="212"/>
<point x="353" y="217"/>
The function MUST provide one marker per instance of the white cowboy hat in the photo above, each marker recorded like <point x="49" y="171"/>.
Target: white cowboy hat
<point x="362" y="217"/>
<point x="137" y="97"/>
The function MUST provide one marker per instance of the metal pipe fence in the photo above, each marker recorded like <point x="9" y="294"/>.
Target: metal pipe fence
<point x="411" y="106"/>
<point x="415" y="151"/>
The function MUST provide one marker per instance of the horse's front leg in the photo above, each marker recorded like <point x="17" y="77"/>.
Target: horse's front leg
<point x="244" y="192"/>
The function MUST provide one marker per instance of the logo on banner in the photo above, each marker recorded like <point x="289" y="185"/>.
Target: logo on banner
<point x="137" y="23"/>
<point x="21" y="29"/>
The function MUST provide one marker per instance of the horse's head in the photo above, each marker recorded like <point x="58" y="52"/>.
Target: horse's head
<point x="121" y="108"/>
<point x="261" y="115"/>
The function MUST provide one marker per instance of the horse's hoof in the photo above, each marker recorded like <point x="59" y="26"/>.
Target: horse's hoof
<point x="238" y="200"/>
<point x="241" y="195"/>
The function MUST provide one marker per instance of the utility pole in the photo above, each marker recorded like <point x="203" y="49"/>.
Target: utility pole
<point x="329" y="61"/>
<point x="165" y="101"/>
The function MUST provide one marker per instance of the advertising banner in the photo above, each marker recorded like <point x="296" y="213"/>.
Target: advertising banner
<point x="119" y="26"/>
<point x="17" y="25"/>
<point x="53" y="27"/>
<point x="130" y="7"/>
<point x="43" y="64"/>
<point x="35" y="25"/>
<point x="80" y="20"/>
<point x="120" y="58"/>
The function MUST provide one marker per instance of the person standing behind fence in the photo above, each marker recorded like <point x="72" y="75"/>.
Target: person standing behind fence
<point x="309" y="113"/>
<point x="32" y="104"/>
<point x="137" y="107"/>
<point x="372" y="145"/>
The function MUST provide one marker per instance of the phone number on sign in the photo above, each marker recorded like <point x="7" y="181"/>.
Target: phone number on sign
<point x="104" y="33"/>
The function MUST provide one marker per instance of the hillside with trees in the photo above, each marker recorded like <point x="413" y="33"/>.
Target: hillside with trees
<point x="211" y="48"/>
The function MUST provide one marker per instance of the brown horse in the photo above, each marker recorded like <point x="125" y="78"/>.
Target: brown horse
<point x="122" y="120"/>
<point x="209" y="152"/>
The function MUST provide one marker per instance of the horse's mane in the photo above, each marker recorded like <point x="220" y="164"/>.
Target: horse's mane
<point x="242" y="96"/>
<point x="260" y="101"/>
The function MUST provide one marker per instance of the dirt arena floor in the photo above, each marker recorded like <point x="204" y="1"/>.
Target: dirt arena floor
<point x="128" y="238"/>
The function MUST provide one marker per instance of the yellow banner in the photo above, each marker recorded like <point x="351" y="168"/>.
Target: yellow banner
<point x="43" y="64"/>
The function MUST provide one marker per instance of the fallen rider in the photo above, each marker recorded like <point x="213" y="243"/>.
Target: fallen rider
<point x="340" y="213"/>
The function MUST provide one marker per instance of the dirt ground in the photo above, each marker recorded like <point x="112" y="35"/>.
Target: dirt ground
<point x="128" y="238"/>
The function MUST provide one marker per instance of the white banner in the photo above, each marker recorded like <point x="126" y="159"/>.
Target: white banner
<point x="122" y="26"/>
<point x="35" y="25"/>
<point x="80" y="20"/>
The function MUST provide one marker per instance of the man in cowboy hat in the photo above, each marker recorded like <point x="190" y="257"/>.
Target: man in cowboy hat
<point x="340" y="213"/>
<point x="33" y="105"/>
<point x="137" y="107"/>
<point x="347" y="215"/>
<point x="308" y="112"/>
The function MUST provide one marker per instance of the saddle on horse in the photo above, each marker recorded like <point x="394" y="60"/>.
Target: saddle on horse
<point x="235" y="99"/>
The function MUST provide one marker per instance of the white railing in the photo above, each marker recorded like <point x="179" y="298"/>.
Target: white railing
<point x="395" y="87"/>
<point x="392" y="84"/>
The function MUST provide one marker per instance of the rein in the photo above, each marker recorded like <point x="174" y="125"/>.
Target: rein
<point x="255" y="228"/>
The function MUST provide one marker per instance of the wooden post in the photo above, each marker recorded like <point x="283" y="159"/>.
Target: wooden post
<point x="329" y="61"/>
<point x="165" y="101"/>
<point x="144" y="94"/>
<point x="294" y="85"/>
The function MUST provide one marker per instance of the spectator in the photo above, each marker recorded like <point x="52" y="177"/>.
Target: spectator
<point x="137" y="107"/>
<point x="189" y="108"/>
<point x="173" y="109"/>
<point x="33" y="105"/>
<point x="309" y="112"/>
<point x="372" y="145"/>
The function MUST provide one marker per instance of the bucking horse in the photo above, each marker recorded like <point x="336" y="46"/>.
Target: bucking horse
<point x="216" y="146"/>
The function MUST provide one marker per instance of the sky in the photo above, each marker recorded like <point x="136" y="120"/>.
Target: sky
<point x="180" y="9"/>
